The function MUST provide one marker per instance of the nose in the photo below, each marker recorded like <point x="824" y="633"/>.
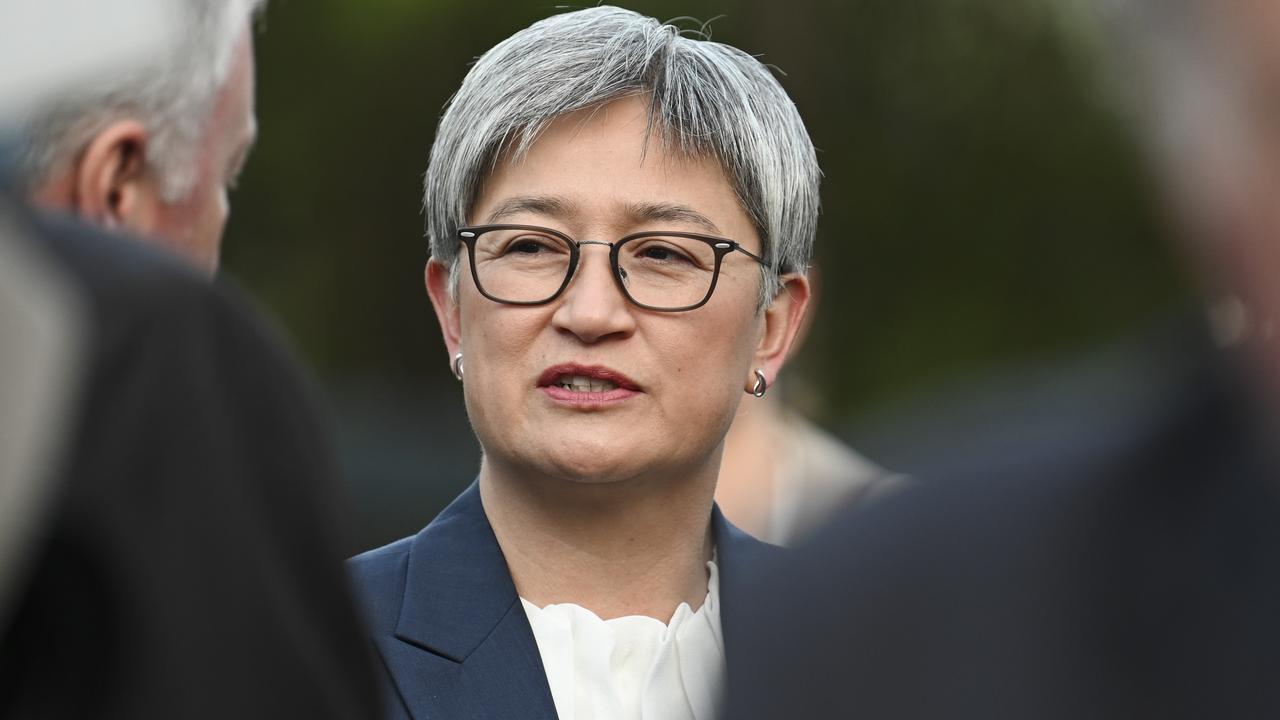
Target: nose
<point x="593" y="308"/>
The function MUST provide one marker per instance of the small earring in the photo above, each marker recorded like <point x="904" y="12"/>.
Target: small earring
<point x="457" y="366"/>
<point x="762" y="385"/>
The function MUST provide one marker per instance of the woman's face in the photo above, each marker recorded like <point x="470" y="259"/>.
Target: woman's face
<point x="650" y="394"/>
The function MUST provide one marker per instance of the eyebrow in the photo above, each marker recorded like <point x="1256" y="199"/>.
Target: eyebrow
<point x="536" y="204"/>
<point x="671" y="212"/>
<point x="638" y="212"/>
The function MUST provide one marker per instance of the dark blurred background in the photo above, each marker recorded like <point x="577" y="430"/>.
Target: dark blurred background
<point x="984" y="211"/>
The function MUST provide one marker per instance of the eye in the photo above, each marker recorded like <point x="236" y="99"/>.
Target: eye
<point x="659" y="252"/>
<point x="530" y="245"/>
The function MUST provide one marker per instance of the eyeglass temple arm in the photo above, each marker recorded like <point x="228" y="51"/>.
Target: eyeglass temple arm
<point x="748" y="253"/>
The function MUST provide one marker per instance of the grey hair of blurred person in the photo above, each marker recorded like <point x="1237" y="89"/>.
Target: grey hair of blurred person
<point x="706" y="99"/>
<point x="172" y="97"/>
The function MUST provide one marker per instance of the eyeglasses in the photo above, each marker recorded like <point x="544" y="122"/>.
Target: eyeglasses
<point x="665" y="271"/>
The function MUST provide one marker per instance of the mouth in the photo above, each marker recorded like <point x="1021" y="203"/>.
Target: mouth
<point x="583" y="384"/>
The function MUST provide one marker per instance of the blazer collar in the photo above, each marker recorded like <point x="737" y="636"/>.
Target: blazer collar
<point x="736" y="553"/>
<point x="459" y="596"/>
<point x="457" y="586"/>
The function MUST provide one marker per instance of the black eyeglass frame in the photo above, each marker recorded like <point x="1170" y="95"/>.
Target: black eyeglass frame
<point x="720" y="246"/>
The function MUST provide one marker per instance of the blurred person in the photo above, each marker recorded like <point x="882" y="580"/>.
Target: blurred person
<point x="167" y="485"/>
<point x="154" y="151"/>
<point x="620" y="218"/>
<point x="181" y="559"/>
<point x="40" y="328"/>
<point x="1126" y="565"/>
<point x="40" y="316"/>
<point x="782" y="476"/>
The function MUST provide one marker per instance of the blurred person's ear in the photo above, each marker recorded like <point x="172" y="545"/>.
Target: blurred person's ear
<point x="446" y="306"/>
<point x="109" y="184"/>
<point x="782" y="322"/>
<point x="113" y="187"/>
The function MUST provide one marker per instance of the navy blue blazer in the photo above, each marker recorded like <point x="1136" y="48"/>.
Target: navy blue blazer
<point x="450" y="629"/>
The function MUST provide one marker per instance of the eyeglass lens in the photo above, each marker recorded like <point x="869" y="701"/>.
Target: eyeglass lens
<point x="527" y="266"/>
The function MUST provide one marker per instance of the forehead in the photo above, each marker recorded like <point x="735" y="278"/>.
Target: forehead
<point x="610" y="155"/>
<point x="617" y="131"/>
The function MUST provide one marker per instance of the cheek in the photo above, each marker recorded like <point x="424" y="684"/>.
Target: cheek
<point x="211" y="222"/>
<point x="495" y="337"/>
<point x="702" y="389"/>
<point x="708" y="358"/>
<point x="195" y="225"/>
<point x="214" y="210"/>
<point x="497" y="348"/>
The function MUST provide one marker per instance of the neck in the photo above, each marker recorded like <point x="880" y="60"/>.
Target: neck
<point x="636" y="547"/>
<point x="748" y="473"/>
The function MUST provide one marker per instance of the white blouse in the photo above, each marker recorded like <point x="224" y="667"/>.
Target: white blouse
<point x="635" y="667"/>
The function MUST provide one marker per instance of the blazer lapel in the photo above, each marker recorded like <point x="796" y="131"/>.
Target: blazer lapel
<point x="462" y="645"/>
<point x="736" y="554"/>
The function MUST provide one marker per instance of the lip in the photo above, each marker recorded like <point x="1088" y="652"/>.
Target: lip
<point x="625" y="390"/>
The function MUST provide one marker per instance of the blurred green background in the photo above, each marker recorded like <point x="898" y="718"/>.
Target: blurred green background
<point x="982" y="208"/>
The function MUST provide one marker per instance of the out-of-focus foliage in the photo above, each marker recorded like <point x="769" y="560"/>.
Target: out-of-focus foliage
<point x="979" y="203"/>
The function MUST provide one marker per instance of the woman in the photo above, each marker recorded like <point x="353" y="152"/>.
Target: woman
<point x="620" y="218"/>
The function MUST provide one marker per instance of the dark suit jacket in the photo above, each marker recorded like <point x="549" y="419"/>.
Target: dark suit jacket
<point x="452" y="634"/>
<point x="189" y="567"/>
<point x="1128" y="567"/>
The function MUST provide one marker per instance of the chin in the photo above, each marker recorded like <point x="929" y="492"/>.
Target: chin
<point x="589" y="470"/>
<point x="593" y="455"/>
<point x="568" y="449"/>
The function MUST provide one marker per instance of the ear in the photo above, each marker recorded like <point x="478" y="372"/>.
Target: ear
<point x="437" y="279"/>
<point x="111" y="183"/>
<point x="783" y="320"/>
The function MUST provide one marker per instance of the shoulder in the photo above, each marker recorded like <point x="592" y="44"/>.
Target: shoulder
<point x="125" y="272"/>
<point x="1007" y="573"/>
<point x="449" y="540"/>
<point x="376" y="566"/>
<point x="935" y="584"/>
<point x="157" y="322"/>
<point x="141" y="295"/>
<point x="1048" y="464"/>
<point x="378" y="579"/>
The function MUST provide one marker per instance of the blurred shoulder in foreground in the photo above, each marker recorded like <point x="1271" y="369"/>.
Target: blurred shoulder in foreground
<point x="186" y="563"/>
<point x="1113" y="552"/>
<point x="1122" y="565"/>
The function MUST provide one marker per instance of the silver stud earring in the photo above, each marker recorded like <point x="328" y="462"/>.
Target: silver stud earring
<point x="762" y="385"/>
<point x="457" y="366"/>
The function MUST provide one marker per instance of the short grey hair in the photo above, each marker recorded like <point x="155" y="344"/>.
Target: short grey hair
<point x="707" y="99"/>
<point x="173" y="97"/>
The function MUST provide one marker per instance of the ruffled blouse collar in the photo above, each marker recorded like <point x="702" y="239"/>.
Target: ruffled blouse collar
<point x="634" y="667"/>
